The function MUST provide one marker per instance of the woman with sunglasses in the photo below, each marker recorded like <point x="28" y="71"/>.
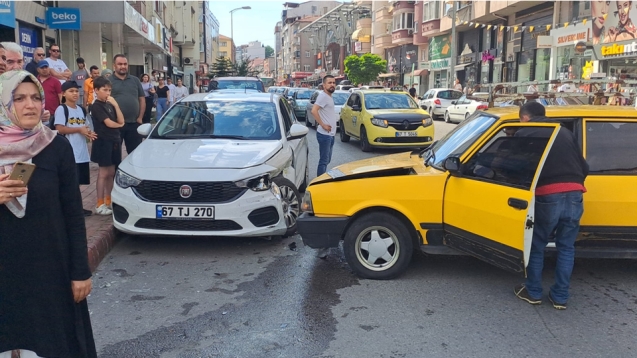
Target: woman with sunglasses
<point x="625" y="29"/>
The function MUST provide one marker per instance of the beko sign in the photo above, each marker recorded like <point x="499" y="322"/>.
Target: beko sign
<point x="63" y="18"/>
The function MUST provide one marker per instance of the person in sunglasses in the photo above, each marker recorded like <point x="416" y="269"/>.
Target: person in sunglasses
<point x="58" y="68"/>
<point x="38" y="55"/>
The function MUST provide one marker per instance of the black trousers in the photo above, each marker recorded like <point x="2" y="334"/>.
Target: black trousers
<point x="130" y="137"/>
<point x="149" y="109"/>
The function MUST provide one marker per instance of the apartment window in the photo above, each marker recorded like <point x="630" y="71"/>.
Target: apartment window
<point x="306" y="68"/>
<point x="404" y="21"/>
<point x="462" y="4"/>
<point x="314" y="9"/>
<point x="324" y="10"/>
<point x="307" y="54"/>
<point x="223" y="53"/>
<point x="157" y="7"/>
<point x="223" y="44"/>
<point x="431" y="11"/>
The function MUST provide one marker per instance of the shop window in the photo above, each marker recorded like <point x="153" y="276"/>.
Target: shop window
<point x="542" y="64"/>
<point x="431" y="10"/>
<point x="606" y="147"/>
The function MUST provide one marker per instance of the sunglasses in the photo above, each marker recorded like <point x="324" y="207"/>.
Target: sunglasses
<point x="55" y="50"/>
<point x="39" y="54"/>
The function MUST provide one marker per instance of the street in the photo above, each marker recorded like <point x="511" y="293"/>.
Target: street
<point x="193" y="297"/>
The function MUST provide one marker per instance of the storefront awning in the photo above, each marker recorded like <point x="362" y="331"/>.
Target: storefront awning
<point x="388" y="75"/>
<point x="461" y="67"/>
<point x="361" y="33"/>
<point x="422" y="72"/>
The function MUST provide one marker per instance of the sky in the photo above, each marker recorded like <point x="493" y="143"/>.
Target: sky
<point x="256" y="24"/>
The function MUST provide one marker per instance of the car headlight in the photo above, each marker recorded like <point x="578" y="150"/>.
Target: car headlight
<point x="124" y="180"/>
<point x="275" y="190"/>
<point x="426" y="122"/>
<point x="379" y="122"/>
<point x="260" y="183"/>
<point x="306" y="204"/>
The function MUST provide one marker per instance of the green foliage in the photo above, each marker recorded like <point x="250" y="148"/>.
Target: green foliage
<point x="221" y="68"/>
<point x="243" y="68"/>
<point x="364" y="69"/>
<point x="269" y="51"/>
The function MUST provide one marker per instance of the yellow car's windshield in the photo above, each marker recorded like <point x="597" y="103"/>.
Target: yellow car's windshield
<point x="389" y="101"/>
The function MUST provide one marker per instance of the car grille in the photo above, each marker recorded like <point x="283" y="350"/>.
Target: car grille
<point x="264" y="216"/>
<point x="202" y="192"/>
<point x="403" y="139"/>
<point x="401" y="126"/>
<point x="188" y="225"/>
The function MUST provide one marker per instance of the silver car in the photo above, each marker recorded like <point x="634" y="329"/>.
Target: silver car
<point x="339" y="96"/>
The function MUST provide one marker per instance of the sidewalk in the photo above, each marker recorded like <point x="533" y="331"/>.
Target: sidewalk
<point x="100" y="233"/>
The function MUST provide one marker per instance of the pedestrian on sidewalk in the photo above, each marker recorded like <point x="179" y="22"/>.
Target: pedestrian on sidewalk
<point x="171" y="87"/>
<point x="59" y="69"/>
<point x="38" y="55"/>
<point x="107" y="73"/>
<point x="89" y="92"/>
<point x="149" y="94"/>
<point x="3" y="60"/>
<point x="558" y="209"/>
<point x="15" y="57"/>
<point x="107" y="148"/>
<point x="163" y="93"/>
<point x="325" y="115"/>
<point x="52" y="90"/>
<point x="45" y="276"/>
<point x="181" y="91"/>
<point x="128" y="92"/>
<point x="71" y="121"/>
<point x="79" y="77"/>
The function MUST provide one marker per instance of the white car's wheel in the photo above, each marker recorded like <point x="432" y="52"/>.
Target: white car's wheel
<point x="447" y="117"/>
<point x="291" y="203"/>
<point x="378" y="246"/>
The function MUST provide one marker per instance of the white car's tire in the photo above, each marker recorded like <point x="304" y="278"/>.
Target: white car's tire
<point x="291" y="203"/>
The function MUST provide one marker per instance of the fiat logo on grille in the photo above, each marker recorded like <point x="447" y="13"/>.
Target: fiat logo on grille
<point x="185" y="191"/>
<point x="406" y="124"/>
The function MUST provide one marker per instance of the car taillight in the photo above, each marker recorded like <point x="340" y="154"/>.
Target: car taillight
<point x="437" y="101"/>
<point x="483" y="106"/>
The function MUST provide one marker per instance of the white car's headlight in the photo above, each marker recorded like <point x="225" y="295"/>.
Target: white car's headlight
<point x="260" y="183"/>
<point x="124" y="180"/>
<point x="306" y="204"/>
<point x="379" y="122"/>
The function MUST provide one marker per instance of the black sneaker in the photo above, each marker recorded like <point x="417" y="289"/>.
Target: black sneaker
<point x="87" y="212"/>
<point x="523" y="294"/>
<point x="557" y="306"/>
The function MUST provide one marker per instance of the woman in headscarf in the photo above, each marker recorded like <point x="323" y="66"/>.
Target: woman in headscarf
<point x="44" y="271"/>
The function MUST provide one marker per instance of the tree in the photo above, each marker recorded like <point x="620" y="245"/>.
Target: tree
<point x="222" y="67"/>
<point x="244" y="68"/>
<point x="364" y="69"/>
<point x="269" y="51"/>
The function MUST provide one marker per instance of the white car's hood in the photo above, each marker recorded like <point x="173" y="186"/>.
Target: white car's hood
<point x="202" y="153"/>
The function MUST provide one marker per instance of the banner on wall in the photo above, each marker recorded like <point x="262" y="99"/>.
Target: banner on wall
<point x="613" y="21"/>
<point x="7" y="13"/>
<point x="28" y="42"/>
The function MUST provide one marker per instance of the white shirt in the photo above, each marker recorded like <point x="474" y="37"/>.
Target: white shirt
<point x="171" y="88"/>
<point x="327" y="112"/>
<point x="567" y="87"/>
<point x="180" y="92"/>
<point x="77" y="140"/>
<point x="58" y="65"/>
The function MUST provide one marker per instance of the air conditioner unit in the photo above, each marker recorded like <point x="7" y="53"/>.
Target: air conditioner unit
<point x="189" y="61"/>
<point x="410" y="32"/>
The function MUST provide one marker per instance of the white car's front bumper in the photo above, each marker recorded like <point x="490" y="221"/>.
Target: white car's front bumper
<point x="135" y="216"/>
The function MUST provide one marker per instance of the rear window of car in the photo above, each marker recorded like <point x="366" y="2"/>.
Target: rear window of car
<point x="449" y="94"/>
<point x="303" y="95"/>
<point x="238" y="85"/>
<point x="220" y="119"/>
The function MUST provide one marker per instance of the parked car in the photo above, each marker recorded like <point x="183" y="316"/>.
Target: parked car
<point x="339" y="97"/>
<point x="353" y="89"/>
<point x="236" y="83"/>
<point x="385" y="119"/>
<point x="435" y="101"/>
<point x="472" y="192"/>
<point x="216" y="164"/>
<point x="344" y="87"/>
<point x="291" y="91"/>
<point x="463" y="107"/>
<point x="300" y="101"/>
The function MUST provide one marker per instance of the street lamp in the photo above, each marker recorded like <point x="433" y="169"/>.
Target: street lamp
<point x="232" y="25"/>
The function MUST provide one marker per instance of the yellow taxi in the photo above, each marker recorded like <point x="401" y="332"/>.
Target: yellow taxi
<point x="385" y="118"/>
<point x="472" y="192"/>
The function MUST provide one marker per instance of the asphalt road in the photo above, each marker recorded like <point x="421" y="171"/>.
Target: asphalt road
<point x="185" y="297"/>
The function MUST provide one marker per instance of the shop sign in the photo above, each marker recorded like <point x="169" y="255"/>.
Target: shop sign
<point x="544" y="42"/>
<point x="7" y="13"/>
<point x="580" y="48"/>
<point x="28" y="42"/>
<point x="440" y="47"/>
<point x="358" y="46"/>
<point x="619" y="50"/>
<point x="569" y="39"/>
<point x="63" y="18"/>
<point x="439" y="64"/>
<point x="466" y="59"/>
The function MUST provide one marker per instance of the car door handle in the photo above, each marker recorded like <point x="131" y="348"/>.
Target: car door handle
<point x="518" y="203"/>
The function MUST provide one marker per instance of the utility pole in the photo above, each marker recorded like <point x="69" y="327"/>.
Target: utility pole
<point x="454" y="47"/>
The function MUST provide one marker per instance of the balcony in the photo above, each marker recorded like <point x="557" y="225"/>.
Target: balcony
<point x="383" y="41"/>
<point x="383" y="15"/>
<point x="402" y="37"/>
<point x="403" y="6"/>
<point x="430" y="27"/>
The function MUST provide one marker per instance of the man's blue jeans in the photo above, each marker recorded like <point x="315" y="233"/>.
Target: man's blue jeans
<point x="559" y="213"/>
<point x="326" y="143"/>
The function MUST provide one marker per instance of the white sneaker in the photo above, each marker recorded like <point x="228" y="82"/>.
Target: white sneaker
<point x="103" y="210"/>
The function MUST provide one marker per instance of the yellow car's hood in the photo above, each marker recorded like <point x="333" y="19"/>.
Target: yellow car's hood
<point x="385" y="165"/>
<point x="380" y="112"/>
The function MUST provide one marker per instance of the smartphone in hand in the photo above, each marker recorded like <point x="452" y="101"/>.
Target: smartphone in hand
<point x="22" y="171"/>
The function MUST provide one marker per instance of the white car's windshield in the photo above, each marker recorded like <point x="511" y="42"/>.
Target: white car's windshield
<point x="389" y="101"/>
<point x="459" y="139"/>
<point x="237" y="84"/>
<point x="220" y="119"/>
<point x="304" y="94"/>
<point x="340" y="98"/>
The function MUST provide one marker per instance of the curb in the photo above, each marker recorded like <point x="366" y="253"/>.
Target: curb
<point x="100" y="244"/>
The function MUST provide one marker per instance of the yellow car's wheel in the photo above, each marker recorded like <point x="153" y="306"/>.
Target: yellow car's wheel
<point x="365" y="146"/>
<point x="378" y="246"/>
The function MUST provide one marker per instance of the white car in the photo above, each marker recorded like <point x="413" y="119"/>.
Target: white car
<point x="462" y="108"/>
<point x="435" y="101"/>
<point x="339" y="96"/>
<point x="216" y="164"/>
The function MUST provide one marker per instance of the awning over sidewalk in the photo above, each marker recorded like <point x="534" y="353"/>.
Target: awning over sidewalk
<point x="383" y="75"/>
<point x="363" y="34"/>
<point x="423" y="72"/>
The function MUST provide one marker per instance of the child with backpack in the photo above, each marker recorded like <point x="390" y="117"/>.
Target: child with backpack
<point x="70" y="120"/>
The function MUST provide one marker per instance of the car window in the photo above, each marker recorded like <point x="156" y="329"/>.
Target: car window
<point x="219" y="119"/>
<point x="462" y="100"/>
<point x="303" y="94"/>
<point x="339" y="98"/>
<point x="314" y="95"/>
<point x="449" y="94"/>
<point x="350" y="100"/>
<point x="460" y="138"/>
<point x="237" y="84"/>
<point x="286" y="113"/>
<point x="508" y="158"/>
<point x="608" y="147"/>
<point x="389" y="101"/>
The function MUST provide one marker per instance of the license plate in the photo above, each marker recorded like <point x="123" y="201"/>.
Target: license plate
<point x="185" y="212"/>
<point x="405" y="134"/>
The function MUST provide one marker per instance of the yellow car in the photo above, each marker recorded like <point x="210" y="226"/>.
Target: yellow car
<point x="384" y="118"/>
<point x="472" y="192"/>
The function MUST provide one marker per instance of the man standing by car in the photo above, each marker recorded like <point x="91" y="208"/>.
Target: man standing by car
<point x="129" y="94"/>
<point x="325" y="115"/>
<point x="558" y="209"/>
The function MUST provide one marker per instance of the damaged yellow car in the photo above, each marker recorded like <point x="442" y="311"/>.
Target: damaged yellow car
<point x="472" y="192"/>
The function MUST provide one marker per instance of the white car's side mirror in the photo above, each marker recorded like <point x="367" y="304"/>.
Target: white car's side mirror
<point x="297" y="131"/>
<point x="144" y="129"/>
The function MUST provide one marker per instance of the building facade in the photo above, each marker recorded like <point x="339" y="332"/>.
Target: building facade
<point x="226" y="47"/>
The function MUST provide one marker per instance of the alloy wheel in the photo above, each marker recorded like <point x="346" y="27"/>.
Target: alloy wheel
<point x="377" y="248"/>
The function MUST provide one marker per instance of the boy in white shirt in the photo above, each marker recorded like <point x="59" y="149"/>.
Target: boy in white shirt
<point x="70" y="121"/>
